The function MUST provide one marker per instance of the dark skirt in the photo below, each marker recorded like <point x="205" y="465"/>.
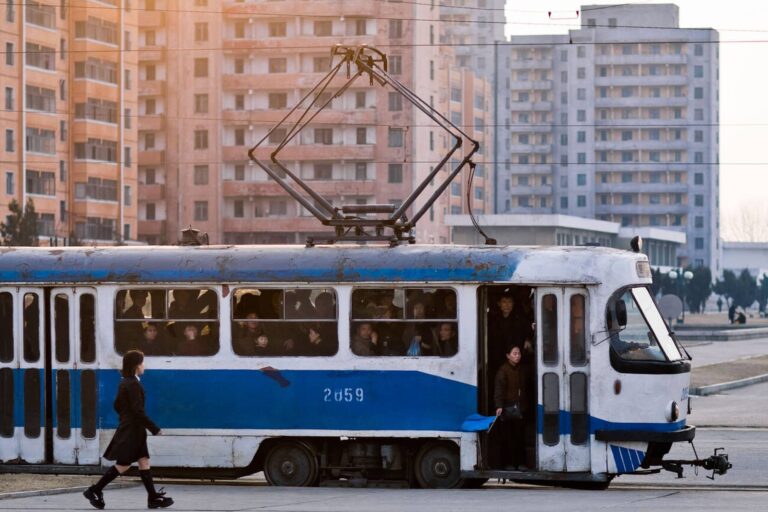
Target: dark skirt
<point x="128" y="445"/>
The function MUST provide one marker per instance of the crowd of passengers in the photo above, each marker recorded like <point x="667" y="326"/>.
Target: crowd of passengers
<point x="383" y="327"/>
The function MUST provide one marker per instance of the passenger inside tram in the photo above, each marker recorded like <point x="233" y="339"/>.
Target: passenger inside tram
<point x="365" y="340"/>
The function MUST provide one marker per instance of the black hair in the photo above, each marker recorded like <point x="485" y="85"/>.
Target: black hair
<point x="131" y="360"/>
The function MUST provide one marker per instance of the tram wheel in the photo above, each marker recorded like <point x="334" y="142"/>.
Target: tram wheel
<point x="437" y="466"/>
<point x="291" y="464"/>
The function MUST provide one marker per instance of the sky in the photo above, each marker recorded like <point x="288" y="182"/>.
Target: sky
<point x="743" y="27"/>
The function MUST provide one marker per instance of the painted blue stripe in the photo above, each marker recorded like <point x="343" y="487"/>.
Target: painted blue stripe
<point x="635" y="459"/>
<point x="617" y="459"/>
<point x="300" y="399"/>
<point x="625" y="456"/>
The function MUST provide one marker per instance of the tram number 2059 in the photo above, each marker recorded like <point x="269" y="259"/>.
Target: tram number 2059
<point x="343" y="395"/>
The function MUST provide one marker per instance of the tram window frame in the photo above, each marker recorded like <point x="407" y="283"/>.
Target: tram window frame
<point x="550" y="350"/>
<point x="87" y="328"/>
<point x="404" y="298"/>
<point x="577" y="347"/>
<point x="31" y="327"/>
<point x="63" y="343"/>
<point x="171" y="326"/>
<point x="296" y="323"/>
<point x="630" y="356"/>
<point x="7" y="338"/>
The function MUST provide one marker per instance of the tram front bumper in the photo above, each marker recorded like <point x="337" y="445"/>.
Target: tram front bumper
<point x="686" y="433"/>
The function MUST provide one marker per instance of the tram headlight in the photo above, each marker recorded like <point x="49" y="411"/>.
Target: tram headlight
<point x="673" y="412"/>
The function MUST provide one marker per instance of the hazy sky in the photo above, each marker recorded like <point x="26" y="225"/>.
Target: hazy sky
<point x="743" y="27"/>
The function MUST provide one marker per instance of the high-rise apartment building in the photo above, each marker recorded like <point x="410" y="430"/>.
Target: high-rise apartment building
<point x="69" y="116"/>
<point x="214" y="77"/>
<point x="470" y="28"/>
<point x="616" y="121"/>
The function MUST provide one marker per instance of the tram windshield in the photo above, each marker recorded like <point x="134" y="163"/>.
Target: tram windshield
<point x="644" y="335"/>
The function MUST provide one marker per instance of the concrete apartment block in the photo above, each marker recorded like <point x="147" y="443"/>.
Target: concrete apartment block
<point x="614" y="121"/>
<point x="70" y="85"/>
<point x="215" y="76"/>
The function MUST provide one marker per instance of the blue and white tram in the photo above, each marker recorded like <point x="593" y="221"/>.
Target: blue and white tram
<point x="611" y="383"/>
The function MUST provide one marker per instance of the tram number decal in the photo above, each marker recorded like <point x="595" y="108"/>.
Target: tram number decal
<point x="343" y="395"/>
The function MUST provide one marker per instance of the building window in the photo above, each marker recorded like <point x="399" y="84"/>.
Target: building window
<point x="324" y="136"/>
<point x="201" y="139"/>
<point x="201" y="67"/>
<point x="581" y="179"/>
<point x="323" y="171"/>
<point x="698" y="93"/>
<point x="239" y="172"/>
<point x="278" y="65"/>
<point x="10" y="186"/>
<point x="239" y="136"/>
<point x="581" y="116"/>
<point x="698" y="178"/>
<point x="699" y="243"/>
<point x="201" y="175"/>
<point x="395" y="102"/>
<point x="699" y="221"/>
<point x="581" y="201"/>
<point x="395" y="173"/>
<point x="323" y="28"/>
<point x="361" y="171"/>
<point x="10" y="142"/>
<point x="699" y="200"/>
<point x="395" y="29"/>
<point x="563" y="202"/>
<point x="201" y="103"/>
<point x="239" y="209"/>
<point x="277" y="29"/>
<point x="698" y="50"/>
<point x="395" y="137"/>
<point x="201" y="211"/>
<point x="9" y="54"/>
<point x="396" y="64"/>
<point x="361" y="134"/>
<point x="239" y="29"/>
<point x="239" y="101"/>
<point x="9" y="98"/>
<point x="150" y="211"/>
<point x="278" y="100"/>
<point x="150" y="106"/>
<point x="41" y="183"/>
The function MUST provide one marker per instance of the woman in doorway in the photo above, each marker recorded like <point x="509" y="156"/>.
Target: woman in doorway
<point x="129" y="444"/>
<point x="510" y="396"/>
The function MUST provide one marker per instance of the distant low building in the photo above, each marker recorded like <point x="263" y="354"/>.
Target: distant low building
<point x="750" y="255"/>
<point x="553" y="229"/>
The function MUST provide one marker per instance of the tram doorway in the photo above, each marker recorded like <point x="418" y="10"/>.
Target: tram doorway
<point x="48" y="376"/>
<point x="506" y="318"/>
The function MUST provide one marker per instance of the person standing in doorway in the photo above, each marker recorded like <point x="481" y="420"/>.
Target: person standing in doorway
<point x="129" y="444"/>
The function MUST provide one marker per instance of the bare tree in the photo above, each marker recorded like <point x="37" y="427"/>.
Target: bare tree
<point x="746" y="223"/>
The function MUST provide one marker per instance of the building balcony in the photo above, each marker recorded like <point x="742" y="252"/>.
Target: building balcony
<point x="640" y="102"/>
<point x="641" y="188"/>
<point x="271" y="224"/>
<point x="633" y="123"/>
<point x="307" y="152"/>
<point x="642" y="145"/>
<point x="287" y="45"/>
<point x="154" y="192"/>
<point x="151" y="87"/>
<point x="276" y="81"/>
<point x="531" y="169"/>
<point x="151" y="19"/>
<point x="531" y="64"/>
<point x="623" y="60"/>
<point x="530" y="128"/>
<point x="528" y="85"/>
<point x="152" y="227"/>
<point x="641" y="80"/>
<point x="527" y="106"/>
<point x="331" y="117"/>
<point x="151" y="54"/>
<point x="152" y="157"/>
<point x="540" y="190"/>
<point x="530" y="148"/>
<point x="151" y="122"/>
<point x="361" y="8"/>
<point x="324" y="188"/>
<point x="641" y="209"/>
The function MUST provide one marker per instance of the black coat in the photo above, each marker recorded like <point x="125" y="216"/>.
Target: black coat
<point x="130" y="441"/>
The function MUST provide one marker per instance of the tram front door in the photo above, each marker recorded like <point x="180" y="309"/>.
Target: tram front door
<point x="563" y="372"/>
<point x="48" y="385"/>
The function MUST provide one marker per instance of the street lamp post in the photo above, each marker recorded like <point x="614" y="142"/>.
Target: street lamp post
<point x="681" y="278"/>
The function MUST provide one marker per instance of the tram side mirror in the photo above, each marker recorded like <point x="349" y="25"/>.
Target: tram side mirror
<point x="621" y="313"/>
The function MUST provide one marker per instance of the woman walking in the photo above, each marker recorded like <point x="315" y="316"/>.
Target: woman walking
<point x="129" y="444"/>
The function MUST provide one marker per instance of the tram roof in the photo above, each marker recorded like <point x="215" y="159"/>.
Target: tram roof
<point x="257" y="263"/>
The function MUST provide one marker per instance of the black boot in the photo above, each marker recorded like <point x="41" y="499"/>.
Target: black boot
<point x="95" y="497"/>
<point x="94" y="493"/>
<point x="159" y="500"/>
<point x="155" y="499"/>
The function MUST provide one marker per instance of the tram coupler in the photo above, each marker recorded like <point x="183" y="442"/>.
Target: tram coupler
<point x="717" y="463"/>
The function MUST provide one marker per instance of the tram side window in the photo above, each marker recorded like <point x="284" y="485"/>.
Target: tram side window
<point x="578" y="329"/>
<point x="31" y="327"/>
<point x="284" y="322"/>
<point x="404" y="322"/>
<point x="165" y="322"/>
<point x="6" y="327"/>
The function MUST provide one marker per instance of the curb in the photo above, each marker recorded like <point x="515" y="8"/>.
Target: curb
<point x="725" y="386"/>
<point x="57" y="490"/>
